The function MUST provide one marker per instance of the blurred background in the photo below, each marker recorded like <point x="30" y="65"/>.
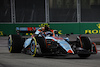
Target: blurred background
<point x="68" y="16"/>
<point x="59" y="11"/>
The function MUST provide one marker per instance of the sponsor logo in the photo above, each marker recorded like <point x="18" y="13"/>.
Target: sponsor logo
<point x="59" y="31"/>
<point x="94" y="31"/>
<point x="1" y="33"/>
<point x="98" y="25"/>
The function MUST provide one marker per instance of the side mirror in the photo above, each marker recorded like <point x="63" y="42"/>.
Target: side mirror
<point x="56" y="32"/>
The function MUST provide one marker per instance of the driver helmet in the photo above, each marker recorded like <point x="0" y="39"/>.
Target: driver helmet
<point x="43" y="29"/>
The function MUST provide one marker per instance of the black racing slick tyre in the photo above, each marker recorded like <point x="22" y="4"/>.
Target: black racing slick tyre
<point x="84" y="55"/>
<point x="86" y="45"/>
<point x="86" y="42"/>
<point x="15" y="43"/>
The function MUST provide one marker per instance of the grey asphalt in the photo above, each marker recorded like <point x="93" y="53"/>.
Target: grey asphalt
<point x="23" y="60"/>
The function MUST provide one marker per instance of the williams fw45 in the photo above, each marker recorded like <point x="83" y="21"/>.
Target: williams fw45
<point x="51" y="44"/>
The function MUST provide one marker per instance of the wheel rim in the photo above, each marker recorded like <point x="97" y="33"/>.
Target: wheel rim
<point x="33" y="47"/>
<point x="10" y="43"/>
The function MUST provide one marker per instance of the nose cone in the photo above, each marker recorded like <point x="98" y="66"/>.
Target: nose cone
<point x="70" y="51"/>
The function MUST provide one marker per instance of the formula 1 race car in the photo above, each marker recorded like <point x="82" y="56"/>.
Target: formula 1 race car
<point x="50" y="44"/>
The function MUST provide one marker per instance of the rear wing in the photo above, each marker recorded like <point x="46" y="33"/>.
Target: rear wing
<point x="26" y="29"/>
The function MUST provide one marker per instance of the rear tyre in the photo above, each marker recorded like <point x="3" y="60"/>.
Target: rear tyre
<point x="15" y="43"/>
<point x="86" y="44"/>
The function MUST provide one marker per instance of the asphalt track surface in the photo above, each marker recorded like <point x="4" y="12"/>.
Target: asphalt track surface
<point x="23" y="60"/>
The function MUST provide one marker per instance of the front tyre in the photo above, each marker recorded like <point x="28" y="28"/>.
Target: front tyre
<point x="86" y="45"/>
<point x="84" y="55"/>
<point x="33" y="47"/>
